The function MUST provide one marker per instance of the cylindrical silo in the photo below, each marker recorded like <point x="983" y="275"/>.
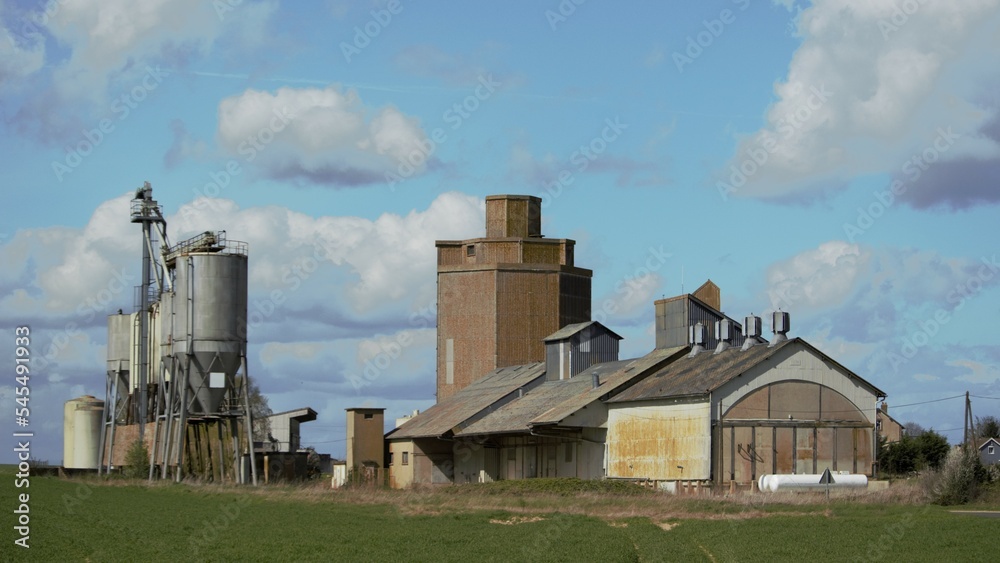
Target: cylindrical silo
<point x="209" y="322"/>
<point x="81" y="444"/>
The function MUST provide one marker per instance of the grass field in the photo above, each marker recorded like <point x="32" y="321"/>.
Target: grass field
<point x="89" y="520"/>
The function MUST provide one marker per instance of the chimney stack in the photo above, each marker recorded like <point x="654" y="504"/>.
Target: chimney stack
<point x="780" y="325"/>
<point x="752" y="327"/>
<point x="696" y="338"/>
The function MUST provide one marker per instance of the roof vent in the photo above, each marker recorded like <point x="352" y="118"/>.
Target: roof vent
<point x="596" y="380"/>
<point x="725" y="332"/>
<point x="780" y="325"/>
<point x="696" y="338"/>
<point x="752" y="324"/>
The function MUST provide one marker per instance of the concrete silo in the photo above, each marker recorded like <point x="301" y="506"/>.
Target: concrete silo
<point x="82" y="432"/>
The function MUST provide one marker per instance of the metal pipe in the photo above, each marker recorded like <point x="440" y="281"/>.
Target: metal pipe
<point x="249" y="416"/>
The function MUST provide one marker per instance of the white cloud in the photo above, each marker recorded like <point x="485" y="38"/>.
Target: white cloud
<point x="978" y="372"/>
<point x="19" y="58"/>
<point x="322" y="135"/>
<point x="889" y="80"/>
<point x="818" y="278"/>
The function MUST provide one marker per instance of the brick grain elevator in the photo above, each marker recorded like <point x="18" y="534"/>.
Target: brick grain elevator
<point x="500" y="295"/>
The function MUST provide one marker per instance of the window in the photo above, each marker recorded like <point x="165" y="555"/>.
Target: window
<point x="406" y="458"/>
<point x="991" y="450"/>
<point x="368" y="415"/>
<point x="470" y="250"/>
<point x="390" y="458"/>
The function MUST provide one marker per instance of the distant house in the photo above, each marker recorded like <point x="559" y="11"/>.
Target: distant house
<point x="989" y="452"/>
<point x="888" y="427"/>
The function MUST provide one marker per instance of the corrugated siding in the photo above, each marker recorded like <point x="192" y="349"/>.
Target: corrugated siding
<point x="653" y="439"/>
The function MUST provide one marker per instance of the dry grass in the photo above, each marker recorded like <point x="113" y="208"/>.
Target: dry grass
<point x="613" y="508"/>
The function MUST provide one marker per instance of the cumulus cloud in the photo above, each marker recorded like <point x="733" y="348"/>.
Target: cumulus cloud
<point x="19" y="58"/>
<point x="868" y="88"/>
<point x="862" y="293"/>
<point x="105" y="49"/>
<point x="324" y="136"/>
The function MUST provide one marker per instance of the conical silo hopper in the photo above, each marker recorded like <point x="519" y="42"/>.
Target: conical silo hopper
<point x="209" y="307"/>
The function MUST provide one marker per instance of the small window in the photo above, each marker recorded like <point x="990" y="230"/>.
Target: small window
<point x="406" y="458"/>
<point x="369" y="415"/>
<point x="991" y="450"/>
<point x="390" y="458"/>
<point x="470" y="250"/>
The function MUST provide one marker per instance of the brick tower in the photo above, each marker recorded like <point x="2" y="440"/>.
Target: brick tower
<point x="500" y="295"/>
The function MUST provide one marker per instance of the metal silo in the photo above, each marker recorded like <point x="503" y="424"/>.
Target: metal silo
<point x="209" y="322"/>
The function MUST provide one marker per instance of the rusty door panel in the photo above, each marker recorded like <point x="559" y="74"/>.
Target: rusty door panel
<point x="862" y="440"/>
<point x="662" y="443"/>
<point x="804" y="444"/>
<point x="783" y="448"/>
<point x="764" y="450"/>
<point x="744" y="460"/>
<point x="824" y="449"/>
<point x="845" y="449"/>
<point x="753" y="405"/>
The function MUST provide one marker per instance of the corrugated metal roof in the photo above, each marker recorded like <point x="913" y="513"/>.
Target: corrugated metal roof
<point x="613" y="377"/>
<point x="450" y="413"/>
<point x="569" y="330"/>
<point x="305" y="414"/>
<point x="708" y="371"/>
<point x="553" y="401"/>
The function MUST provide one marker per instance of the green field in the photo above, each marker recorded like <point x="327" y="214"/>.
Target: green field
<point x="88" y="520"/>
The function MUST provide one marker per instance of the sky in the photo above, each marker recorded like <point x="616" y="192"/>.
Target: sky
<point x="836" y="159"/>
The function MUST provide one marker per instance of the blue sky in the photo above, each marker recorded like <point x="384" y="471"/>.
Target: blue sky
<point x="836" y="159"/>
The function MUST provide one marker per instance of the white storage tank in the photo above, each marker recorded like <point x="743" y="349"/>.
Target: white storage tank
<point x="82" y="432"/>
<point x="810" y="482"/>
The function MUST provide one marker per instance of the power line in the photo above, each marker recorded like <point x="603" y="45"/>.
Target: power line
<point x="926" y="402"/>
<point x="982" y="397"/>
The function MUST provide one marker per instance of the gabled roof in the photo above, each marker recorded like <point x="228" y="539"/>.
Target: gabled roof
<point x="569" y="330"/>
<point x="304" y="414"/>
<point x="447" y="415"/>
<point x="988" y="440"/>
<point x="553" y="401"/>
<point x="708" y="371"/>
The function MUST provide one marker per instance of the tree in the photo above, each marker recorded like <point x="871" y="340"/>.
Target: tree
<point x="260" y="411"/>
<point x="913" y="429"/>
<point x="987" y="427"/>
<point x="899" y="458"/>
<point x="933" y="447"/>
<point x="137" y="460"/>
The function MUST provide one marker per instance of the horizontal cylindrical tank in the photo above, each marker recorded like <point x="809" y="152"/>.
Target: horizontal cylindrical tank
<point x="810" y="482"/>
<point x="83" y="417"/>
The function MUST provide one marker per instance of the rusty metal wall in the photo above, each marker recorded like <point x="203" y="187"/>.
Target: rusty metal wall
<point x="662" y="440"/>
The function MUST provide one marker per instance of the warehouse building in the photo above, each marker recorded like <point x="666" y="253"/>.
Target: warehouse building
<point x="710" y="404"/>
